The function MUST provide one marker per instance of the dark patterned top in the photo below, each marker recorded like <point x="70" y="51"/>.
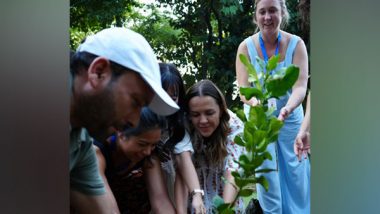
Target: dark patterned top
<point x="128" y="187"/>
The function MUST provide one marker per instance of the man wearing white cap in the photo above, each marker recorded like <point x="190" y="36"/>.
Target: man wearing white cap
<point x="114" y="74"/>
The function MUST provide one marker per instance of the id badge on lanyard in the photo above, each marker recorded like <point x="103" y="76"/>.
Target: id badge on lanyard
<point x="272" y="101"/>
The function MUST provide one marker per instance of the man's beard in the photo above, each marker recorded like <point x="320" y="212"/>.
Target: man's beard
<point x="96" y="113"/>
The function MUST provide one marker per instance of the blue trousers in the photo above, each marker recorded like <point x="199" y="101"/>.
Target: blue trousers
<point x="289" y="186"/>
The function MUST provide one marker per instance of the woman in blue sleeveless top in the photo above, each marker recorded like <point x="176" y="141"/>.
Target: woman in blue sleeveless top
<point x="289" y="186"/>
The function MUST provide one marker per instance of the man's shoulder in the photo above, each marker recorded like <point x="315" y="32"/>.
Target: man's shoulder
<point x="78" y="136"/>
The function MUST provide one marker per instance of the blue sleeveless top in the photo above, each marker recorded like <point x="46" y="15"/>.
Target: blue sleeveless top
<point x="297" y="114"/>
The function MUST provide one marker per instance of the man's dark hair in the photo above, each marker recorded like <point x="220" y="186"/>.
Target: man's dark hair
<point x="82" y="61"/>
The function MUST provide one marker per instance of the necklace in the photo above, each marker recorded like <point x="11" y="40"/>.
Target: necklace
<point x="262" y="46"/>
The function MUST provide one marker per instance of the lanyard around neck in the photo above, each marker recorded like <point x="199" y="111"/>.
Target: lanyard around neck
<point x="262" y="46"/>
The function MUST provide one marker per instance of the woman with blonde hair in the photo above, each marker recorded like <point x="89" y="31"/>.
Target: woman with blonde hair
<point x="289" y="186"/>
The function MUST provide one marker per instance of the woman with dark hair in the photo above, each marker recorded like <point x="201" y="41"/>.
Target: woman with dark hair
<point x="212" y="129"/>
<point x="178" y="144"/>
<point x="130" y="171"/>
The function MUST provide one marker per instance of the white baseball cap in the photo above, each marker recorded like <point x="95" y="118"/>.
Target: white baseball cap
<point x="131" y="50"/>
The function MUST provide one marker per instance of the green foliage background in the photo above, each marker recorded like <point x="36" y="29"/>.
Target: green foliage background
<point x="200" y="36"/>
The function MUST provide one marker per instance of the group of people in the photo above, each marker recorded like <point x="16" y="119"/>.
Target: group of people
<point x="141" y="143"/>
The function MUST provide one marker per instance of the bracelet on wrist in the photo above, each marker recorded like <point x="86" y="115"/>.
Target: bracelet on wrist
<point x="195" y="191"/>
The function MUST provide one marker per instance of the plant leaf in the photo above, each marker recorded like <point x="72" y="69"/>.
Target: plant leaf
<point x="223" y="208"/>
<point x="235" y="174"/>
<point x="272" y="62"/>
<point x="264" y="182"/>
<point x="270" y="111"/>
<point x="250" y="92"/>
<point x="262" y="146"/>
<point x="251" y="70"/>
<point x="260" y="62"/>
<point x="227" y="210"/>
<point x="264" y="170"/>
<point x="258" y="161"/>
<point x="266" y="155"/>
<point x="259" y="136"/>
<point x="245" y="192"/>
<point x="248" y="137"/>
<point x="257" y="115"/>
<point x="217" y="201"/>
<point x="279" y="72"/>
<point x="278" y="87"/>
<point x="239" y="141"/>
<point x="245" y="163"/>
<point x="240" y="113"/>
<point x="274" y="128"/>
<point x="242" y="182"/>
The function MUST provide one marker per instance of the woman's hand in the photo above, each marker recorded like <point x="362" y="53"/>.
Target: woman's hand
<point x="284" y="113"/>
<point x="302" y="145"/>
<point x="253" y="101"/>
<point x="197" y="204"/>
